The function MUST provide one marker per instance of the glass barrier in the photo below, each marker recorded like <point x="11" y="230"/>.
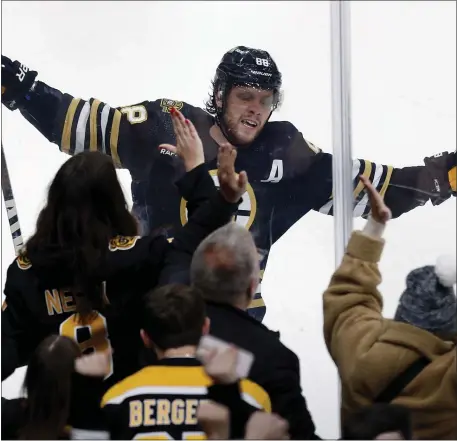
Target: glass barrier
<point x="404" y="110"/>
<point x="124" y="53"/>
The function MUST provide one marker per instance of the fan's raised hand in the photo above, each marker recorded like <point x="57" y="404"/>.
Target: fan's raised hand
<point x="232" y="185"/>
<point x="188" y="146"/>
<point x="380" y="212"/>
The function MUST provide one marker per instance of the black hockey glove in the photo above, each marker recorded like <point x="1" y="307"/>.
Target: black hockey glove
<point x="17" y="80"/>
<point x="441" y="170"/>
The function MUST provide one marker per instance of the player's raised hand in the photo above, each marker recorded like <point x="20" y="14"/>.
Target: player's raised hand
<point x="17" y="80"/>
<point x="232" y="186"/>
<point x="380" y="212"/>
<point x="188" y="146"/>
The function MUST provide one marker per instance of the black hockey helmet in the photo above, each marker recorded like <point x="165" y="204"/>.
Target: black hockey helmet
<point x="252" y="67"/>
<point x="244" y="66"/>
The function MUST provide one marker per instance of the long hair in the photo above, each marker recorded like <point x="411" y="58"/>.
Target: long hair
<point x="85" y="209"/>
<point x="47" y="384"/>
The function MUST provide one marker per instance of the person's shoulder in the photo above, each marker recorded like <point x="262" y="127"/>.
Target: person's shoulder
<point x="280" y="138"/>
<point x="119" y="391"/>
<point x="135" y="253"/>
<point x="269" y="337"/>
<point x="284" y="128"/>
<point x="273" y="339"/>
<point x="18" y="274"/>
<point x="20" y="262"/>
<point x="124" y="243"/>
<point x="238" y="327"/>
<point x="164" y="105"/>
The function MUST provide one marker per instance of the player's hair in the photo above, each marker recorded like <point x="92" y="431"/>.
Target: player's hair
<point x="173" y="316"/>
<point x="371" y="421"/>
<point x="47" y="384"/>
<point x="85" y="208"/>
<point x="210" y="103"/>
<point x="225" y="264"/>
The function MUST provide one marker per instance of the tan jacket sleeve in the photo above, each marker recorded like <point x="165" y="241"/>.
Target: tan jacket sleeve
<point x="352" y="303"/>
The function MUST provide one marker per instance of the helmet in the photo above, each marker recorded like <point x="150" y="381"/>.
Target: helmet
<point x="252" y="67"/>
<point x="244" y="66"/>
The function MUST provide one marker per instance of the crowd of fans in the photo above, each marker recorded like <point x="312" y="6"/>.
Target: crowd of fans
<point x="198" y="365"/>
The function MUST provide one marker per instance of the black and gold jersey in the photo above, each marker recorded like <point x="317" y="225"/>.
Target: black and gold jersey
<point x="160" y="402"/>
<point x="40" y="301"/>
<point x="288" y="175"/>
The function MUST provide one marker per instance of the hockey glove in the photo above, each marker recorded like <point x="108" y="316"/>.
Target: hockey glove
<point x="441" y="170"/>
<point x="17" y="80"/>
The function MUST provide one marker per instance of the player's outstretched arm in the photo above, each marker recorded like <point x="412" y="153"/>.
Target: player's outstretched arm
<point x="72" y="123"/>
<point x="403" y="188"/>
<point x="311" y="181"/>
<point x="411" y="187"/>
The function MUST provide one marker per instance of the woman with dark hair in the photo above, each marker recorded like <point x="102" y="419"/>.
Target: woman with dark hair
<point x="43" y="413"/>
<point x="84" y="271"/>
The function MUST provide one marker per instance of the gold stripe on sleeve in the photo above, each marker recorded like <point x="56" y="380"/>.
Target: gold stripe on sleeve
<point x="390" y="169"/>
<point x="93" y="125"/>
<point x="65" y="143"/>
<point x="114" y="139"/>
<point x="366" y="173"/>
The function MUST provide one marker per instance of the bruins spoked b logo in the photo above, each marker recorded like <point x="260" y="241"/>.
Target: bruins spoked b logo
<point x="122" y="242"/>
<point x="246" y="211"/>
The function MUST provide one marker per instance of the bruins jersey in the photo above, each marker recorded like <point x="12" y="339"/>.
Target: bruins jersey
<point x="38" y="304"/>
<point x="39" y="301"/>
<point x="161" y="401"/>
<point x="288" y="175"/>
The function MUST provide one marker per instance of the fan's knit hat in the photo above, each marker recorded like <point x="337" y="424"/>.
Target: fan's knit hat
<point x="429" y="301"/>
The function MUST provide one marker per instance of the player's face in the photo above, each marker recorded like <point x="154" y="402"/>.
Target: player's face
<point x="247" y="112"/>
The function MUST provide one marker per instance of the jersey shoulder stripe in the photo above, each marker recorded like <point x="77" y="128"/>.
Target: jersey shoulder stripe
<point x="176" y="380"/>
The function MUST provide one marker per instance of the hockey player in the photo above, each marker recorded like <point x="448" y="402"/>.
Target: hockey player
<point x="289" y="176"/>
<point x="83" y="272"/>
